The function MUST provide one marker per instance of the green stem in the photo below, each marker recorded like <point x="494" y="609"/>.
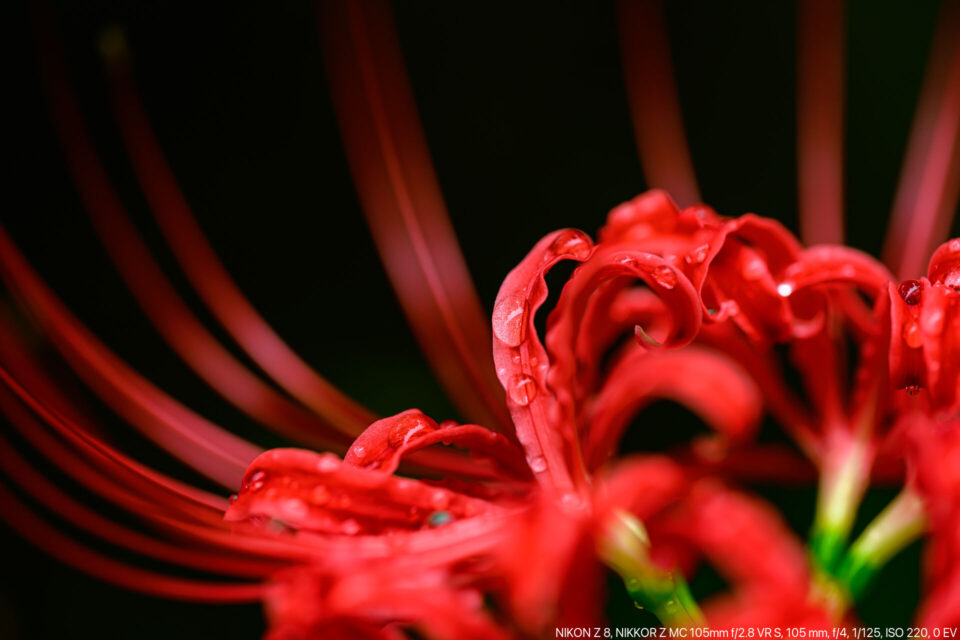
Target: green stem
<point x="899" y="524"/>
<point x="843" y="480"/>
<point x="624" y="547"/>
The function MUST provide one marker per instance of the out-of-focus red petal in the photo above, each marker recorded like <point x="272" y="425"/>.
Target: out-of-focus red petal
<point x="744" y="539"/>
<point x="317" y="492"/>
<point x="712" y="385"/>
<point x="376" y="602"/>
<point x="941" y="608"/>
<point x="641" y="485"/>
<point x="521" y="361"/>
<point x="550" y="558"/>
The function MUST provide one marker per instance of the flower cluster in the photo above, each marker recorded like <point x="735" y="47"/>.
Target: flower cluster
<point x="508" y="534"/>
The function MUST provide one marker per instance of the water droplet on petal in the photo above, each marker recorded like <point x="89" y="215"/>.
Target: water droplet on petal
<point x="350" y="527"/>
<point x="698" y="255"/>
<point x="910" y="291"/>
<point x="752" y="267"/>
<point x="537" y="464"/>
<point x="665" y="277"/>
<point x="257" y="480"/>
<point x="911" y="334"/>
<point x="408" y="427"/>
<point x="572" y="242"/>
<point x="320" y="495"/>
<point x="439" y="518"/>
<point x="510" y="320"/>
<point x="912" y="389"/>
<point x="440" y="500"/>
<point x="955" y="245"/>
<point x="328" y="463"/>
<point x="295" y="508"/>
<point x="522" y="389"/>
<point x="933" y="322"/>
<point x="233" y="498"/>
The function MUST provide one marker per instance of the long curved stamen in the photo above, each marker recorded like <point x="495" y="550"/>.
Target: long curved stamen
<point x="203" y="268"/>
<point x="200" y="443"/>
<point x="47" y="494"/>
<point x="654" y="103"/>
<point x="401" y="199"/>
<point x="22" y="520"/>
<point x="930" y="178"/>
<point x="179" y="509"/>
<point x="154" y="293"/>
<point x="820" y="112"/>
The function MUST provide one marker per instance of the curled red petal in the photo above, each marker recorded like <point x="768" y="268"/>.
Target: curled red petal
<point x="615" y="267"/>
<point x="652" y="212"/>
<point x="385" y="442"/>
<point x="832" y="264"/>
<point x="945" y="264"/>
<point x="302" y="490"/>
<point x="522" y="362"/>
<point x="709" y="383"/>
<point x="741" y="275"/>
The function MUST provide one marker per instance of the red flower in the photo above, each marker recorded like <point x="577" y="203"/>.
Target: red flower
<point x="508" y="530"/>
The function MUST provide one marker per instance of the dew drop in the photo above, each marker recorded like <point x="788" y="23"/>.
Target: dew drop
<point x="785" y="289"/>
<point x="665" y="277"/>
<point x="350" y="527"/>
<point x="912" y="335"/>
<point x="439" y="518"/>
<point x="510" y="320"/>
<point x="320" y="495"/>
<point x="233" y="498"/>
<point x="910" y="291"/>
<point x="698" y="255"/>
<point x="573" y="243"/>
<point x="257" y="480"/>
<point x="730" y="307"/>
<point x="360" y="452"/>
<point x="409" y="427"/>
<point x="537" y="464"/>
<point x="328" y="463"/>
<point x="955" y="245"/>
<point x="522" y="389"/>
<point x="295" y="509"/>
<point x="933" y="322"/>
<point x="440" y="500"/>
<point x="752" y="267"/>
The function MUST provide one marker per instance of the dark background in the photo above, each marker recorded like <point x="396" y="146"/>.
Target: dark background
<point x="526" y="115"/>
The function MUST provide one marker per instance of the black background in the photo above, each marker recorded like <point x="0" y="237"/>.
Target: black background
<point x="526" y="116"/>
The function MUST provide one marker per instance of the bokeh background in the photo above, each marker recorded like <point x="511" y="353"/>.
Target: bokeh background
<point x="526" y="115"/>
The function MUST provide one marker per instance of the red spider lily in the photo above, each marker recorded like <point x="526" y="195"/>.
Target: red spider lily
<point x="508" y="530"/>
